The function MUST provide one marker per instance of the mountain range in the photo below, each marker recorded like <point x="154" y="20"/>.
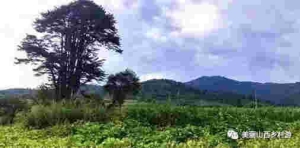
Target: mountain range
<point x="285" y="93"/>
<point x="209" y="88"/>
<point x="183" y="94"/>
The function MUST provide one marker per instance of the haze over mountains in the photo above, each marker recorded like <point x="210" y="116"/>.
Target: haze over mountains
<point x="207" y="87"/>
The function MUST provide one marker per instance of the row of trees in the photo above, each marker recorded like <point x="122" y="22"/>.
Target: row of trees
<point x="66" y="45"/>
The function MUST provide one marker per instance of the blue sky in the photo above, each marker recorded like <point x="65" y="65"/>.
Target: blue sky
<point x="255" y="40"/>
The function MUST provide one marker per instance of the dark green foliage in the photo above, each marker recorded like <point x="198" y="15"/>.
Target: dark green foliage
<point x="179" y="93"/>
<point x="69" y="38"/>
<point x="164" y="89"/>
<point x="216" y="117"/>
<point x="275" y="93"/>
<point x="138" y="135"/>
<point x="40" y="116"/>
<point x="44" y="95"/>
<point x="122" y="84"/>
<point x="9" y="107"/>
<point x="153" y="125"/>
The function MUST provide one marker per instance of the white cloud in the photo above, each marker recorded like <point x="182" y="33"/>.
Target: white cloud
<point x="156" y="35"/>
<point x="113" y="63"/>
<point x="164" y="2"/>
<point x="112" y="5"/>
<point x="18" y="17"/>
<point x="150" y="76"/>
<point x="118" y="6"/>
<point x="223" y="4"/>
<point x="205" y="60"/>
<point x="195" y="19"/>
<point x="281" y="75"/>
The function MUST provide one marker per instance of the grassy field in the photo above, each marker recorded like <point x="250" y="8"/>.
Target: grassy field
<point x="145" y="125"/>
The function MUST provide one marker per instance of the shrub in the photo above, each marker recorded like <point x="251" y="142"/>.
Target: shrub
<point x="40" y="116"/>
<point x="5" y="119"/>
<point x="9" y="107"/>
<point x="44" y="94"/>
<point x="14" y="136"/>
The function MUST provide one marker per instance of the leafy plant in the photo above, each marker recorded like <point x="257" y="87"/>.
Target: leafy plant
<point x="55" y="113"/>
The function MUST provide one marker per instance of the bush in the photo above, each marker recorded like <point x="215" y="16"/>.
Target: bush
<point x="40" y="116"/>
<point x="9" y="107"/>
<point x="6" y="119"/>
<point x="14" y="136"/>
<point x="44" y="95"/>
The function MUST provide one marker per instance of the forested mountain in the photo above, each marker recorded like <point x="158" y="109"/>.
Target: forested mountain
<point x="16" y="92"/>
<point x="213" y="89"/>
<point x="94" y="89"/>
<point x="162" y="89"/>
<point x="287" y="94"/>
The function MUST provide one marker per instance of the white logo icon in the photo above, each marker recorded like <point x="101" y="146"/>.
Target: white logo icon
<point x="232" y="134"/>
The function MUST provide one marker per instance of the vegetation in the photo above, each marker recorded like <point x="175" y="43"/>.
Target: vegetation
<point x="40" y="116"/>
<point x="181" y="94"/>
<point x="121" y="85"/>
<point x="65" y="48"/>
<point x="164" y="113"/>
<point x="145" y="125"/>
<point x="280" y="94"/>
<point x="9" y="108"/>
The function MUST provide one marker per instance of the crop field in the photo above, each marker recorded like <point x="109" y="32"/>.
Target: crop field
<point x="146" y="125"/>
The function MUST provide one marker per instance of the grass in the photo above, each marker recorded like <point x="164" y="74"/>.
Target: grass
<point x="146" y="125"/>
<point x="54" y="113"/>
<point x="16" y="136"/>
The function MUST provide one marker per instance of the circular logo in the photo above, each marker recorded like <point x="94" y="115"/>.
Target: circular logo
<point x="232" y="134"/>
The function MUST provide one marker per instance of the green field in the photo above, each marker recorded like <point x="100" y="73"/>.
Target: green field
<point x="145" y="125"/>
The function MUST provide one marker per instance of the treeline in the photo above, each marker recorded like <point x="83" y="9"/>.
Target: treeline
<point x="182" y="94"/>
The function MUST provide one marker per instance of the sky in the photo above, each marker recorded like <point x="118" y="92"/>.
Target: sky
<point x="245" y="40"/>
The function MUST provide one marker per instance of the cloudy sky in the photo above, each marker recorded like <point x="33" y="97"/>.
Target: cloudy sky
<point x="247" y="40"/>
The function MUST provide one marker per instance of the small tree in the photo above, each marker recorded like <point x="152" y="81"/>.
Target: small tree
<point x="44" y="93"/>
<point x="120" y="85"/>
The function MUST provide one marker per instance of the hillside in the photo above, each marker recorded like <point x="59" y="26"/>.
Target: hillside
<point x="162" y="89"/>
<point x="16" y="92"/>
<point x="277" y="93"/>
<point x="95" y="89"/>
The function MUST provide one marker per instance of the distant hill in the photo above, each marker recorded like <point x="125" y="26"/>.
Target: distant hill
<point x="215" y="89"/>
<point x="162" y="89"/>
<point x="16" y="92"/>
<point x="286" y="94"/>
<point x="96" y="89"/>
